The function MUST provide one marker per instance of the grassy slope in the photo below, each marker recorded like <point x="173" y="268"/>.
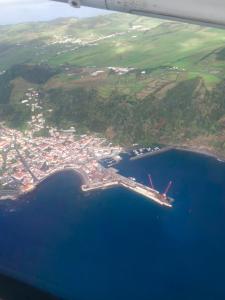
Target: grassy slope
<point x="178" y="106"/>
<point x="183" y="46"/>
<point x="162" y="44"/>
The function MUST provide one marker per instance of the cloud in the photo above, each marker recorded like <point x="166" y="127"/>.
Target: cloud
<point x="20" y="2"/>
<point x="19" y="11"/>
<point x="9" y="2"/>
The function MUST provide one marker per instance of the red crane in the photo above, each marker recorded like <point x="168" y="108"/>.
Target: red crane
<point x="150" y="181"/>
<point x="167" y="188"/>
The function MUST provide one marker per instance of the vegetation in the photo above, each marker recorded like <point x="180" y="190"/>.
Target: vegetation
<point x="13" y="112"/>
<point x="174" y="94"/>
<point x="181" y="115"/>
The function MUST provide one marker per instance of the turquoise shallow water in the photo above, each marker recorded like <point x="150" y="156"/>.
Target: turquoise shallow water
<point x="115" y="244"/>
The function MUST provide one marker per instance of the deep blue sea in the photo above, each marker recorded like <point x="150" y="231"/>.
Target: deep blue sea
<point x="114" y="244"/>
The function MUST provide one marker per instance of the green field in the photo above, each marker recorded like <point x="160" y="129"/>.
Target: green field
<point x="142" y="43"/>
<point x="173" y="94"/>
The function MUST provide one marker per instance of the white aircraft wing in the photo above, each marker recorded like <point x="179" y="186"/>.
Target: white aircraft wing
<point x="208" y="12"/>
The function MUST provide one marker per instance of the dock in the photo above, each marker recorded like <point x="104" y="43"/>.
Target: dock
<point x="133" y="186"/>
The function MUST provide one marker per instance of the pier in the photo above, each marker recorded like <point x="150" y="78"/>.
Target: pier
<point x="119" y="180"/>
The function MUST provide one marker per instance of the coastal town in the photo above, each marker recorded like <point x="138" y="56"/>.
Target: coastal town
<point x="28" y="157"/>
<point x="27" y="160"/>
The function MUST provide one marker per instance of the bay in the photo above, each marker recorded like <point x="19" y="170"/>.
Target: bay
<point x="115" y="244"/>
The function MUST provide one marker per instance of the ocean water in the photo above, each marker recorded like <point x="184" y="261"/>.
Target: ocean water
<point x="114" y="244"/>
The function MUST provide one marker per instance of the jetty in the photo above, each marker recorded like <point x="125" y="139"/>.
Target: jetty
<point x="121" y="181"/>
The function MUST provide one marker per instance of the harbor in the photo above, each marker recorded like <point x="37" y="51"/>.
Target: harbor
<point x="147" y="151"/>
<point x="28" y="160"/>
<point x="117" y="180"/>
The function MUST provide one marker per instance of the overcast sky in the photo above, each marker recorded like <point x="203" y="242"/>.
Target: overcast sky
<point x="17" y="11"/>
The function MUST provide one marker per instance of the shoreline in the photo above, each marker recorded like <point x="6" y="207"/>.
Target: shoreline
<point x="121" y="181"/>
<point x="207" y="153"/>
<point x="80" y="173"/>
<point x="84" y="180"/>
<point x="165" y="149"/>
<point x="217" y="156"/>
<point x="22" y="194"/>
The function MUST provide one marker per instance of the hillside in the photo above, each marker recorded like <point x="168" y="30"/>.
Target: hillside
<point x="130" y="78"/>
<point x="115" y="40"/>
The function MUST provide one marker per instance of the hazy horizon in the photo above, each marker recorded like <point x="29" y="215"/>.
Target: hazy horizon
<point x="23" y="11"/>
